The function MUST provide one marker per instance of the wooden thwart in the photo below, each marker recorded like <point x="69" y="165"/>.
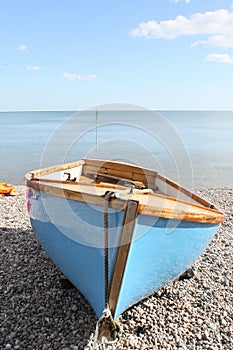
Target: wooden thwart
<point x="115" y="180"/>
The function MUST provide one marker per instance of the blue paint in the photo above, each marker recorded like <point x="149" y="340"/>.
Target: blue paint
<point x="81" y="263"/>
<point x="158" y="257"/>
<point x="72" y="234"/>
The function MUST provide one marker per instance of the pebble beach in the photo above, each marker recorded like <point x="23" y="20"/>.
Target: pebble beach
<point x="39" y="309"/>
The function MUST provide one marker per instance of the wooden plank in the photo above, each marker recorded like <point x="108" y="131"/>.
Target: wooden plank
<point x="108" y="171"/>
<point x="117" y="173"/>
<point x="149" y="204"/>
<point x="148" y="180"/>
<point x="89" y="168"/>
<point x="114" y="180"/>
<point x="188" y="193"/>
<point x="53" y="169"/>
<point x="79" y="185"/>
<point x="122" y="253"/>
<point x="120" y="166"/>
<point x="121" y="170"/>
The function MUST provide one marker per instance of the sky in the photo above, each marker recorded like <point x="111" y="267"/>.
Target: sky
<point x="76" y="54"/>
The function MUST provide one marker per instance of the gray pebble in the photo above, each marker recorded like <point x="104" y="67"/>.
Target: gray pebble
<point x="37" y="313"/>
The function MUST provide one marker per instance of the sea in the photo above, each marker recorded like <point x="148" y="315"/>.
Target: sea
<point x="194" y="148"/>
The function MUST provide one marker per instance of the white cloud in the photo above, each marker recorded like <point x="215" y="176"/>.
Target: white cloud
<point x="220" y="58"/>
<point x="34" y="68"/>
<point x="187" y="1"/>
<point x="23" y="48"/>
<point x="70" y="76"/>
<point x="217" y="26"/>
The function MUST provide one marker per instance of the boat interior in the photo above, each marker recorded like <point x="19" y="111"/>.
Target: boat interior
<point x="100" y="175"/>
<point x="88" y="180"/>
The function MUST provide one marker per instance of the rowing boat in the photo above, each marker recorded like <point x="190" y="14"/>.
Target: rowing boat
<point x="118" y="231"/>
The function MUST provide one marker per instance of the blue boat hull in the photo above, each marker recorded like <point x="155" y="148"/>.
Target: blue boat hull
<point x="72" y="234"/>
<point x="160" y="256"/>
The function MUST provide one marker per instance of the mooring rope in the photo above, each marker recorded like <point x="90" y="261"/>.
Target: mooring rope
<point x="106" y="320"/>
<point x="107" y="197"/>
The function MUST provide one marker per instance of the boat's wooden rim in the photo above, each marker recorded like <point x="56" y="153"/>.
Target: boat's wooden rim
<point x="162" y="206"/>
<point x="124" y="166"/>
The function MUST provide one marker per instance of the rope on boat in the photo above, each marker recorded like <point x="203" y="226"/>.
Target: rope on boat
<point x="106" y="331"/>
<point x="106" y="328"/>
<point x="108" y="195"/>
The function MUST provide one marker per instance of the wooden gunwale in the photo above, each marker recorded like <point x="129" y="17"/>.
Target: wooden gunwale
<point x="186" y="192"/>
<point x="201" y="214"/>
<point x="205" y="212"/>
<point x="53" y="169"/>
<point x="73" y="195"/>
<point x="123" y="167"/>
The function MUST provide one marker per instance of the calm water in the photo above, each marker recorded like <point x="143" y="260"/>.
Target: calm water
<point x="193" y="148"/>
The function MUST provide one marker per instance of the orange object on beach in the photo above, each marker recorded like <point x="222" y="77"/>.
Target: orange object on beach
<point x="7" y="190"/>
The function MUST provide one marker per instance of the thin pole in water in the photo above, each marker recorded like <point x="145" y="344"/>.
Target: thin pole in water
<point x="96" y="127"/>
